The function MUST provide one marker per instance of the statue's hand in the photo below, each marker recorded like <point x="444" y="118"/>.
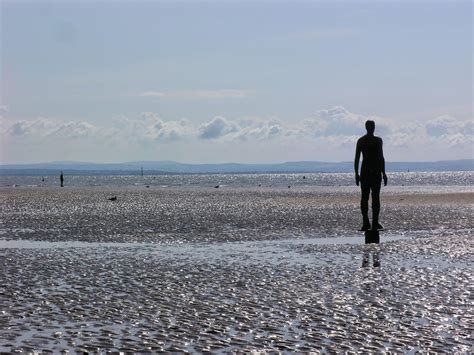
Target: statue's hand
<point x="384" y="179"/>
<point x="357" y="177"/>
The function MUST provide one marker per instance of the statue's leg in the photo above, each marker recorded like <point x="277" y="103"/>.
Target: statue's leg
<point x="377" y="183"/>
<point x="364" y="201"/>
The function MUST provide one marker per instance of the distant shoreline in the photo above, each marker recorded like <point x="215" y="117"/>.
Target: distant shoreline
<point x="54" y="172"/>
<point x="176" y="168"/>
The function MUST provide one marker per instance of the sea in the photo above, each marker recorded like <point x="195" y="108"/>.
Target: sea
<point x="445" y="179"/>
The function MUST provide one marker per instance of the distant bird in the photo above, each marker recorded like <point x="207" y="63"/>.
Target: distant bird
<point x="147" y="186"/>
<point x="216" y="187"/>
<point x="113" y="198"/>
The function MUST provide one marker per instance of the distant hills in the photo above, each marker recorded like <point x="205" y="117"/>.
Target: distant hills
<point x="172" y="167"/>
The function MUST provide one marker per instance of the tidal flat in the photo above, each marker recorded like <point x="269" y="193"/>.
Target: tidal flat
<point x="234" y="269"/>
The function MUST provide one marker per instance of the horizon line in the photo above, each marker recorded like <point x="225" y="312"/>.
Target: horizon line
<point x="226" y="163"/>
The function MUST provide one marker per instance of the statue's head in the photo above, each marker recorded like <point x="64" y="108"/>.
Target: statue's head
<point x="370" y="126"/>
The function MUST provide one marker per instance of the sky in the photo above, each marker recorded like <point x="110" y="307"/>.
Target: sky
<point x="234" y="81"/>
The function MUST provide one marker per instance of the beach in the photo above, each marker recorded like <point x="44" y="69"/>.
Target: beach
<point x="194" y="177"/>
<point x="234" y="268"/>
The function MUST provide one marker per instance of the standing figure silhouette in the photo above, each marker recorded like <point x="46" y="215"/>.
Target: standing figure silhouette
<point x="371" y="174"/>
<point x="61" y="179"/>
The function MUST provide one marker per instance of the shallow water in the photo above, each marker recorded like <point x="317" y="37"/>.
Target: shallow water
<point x="251" y="252"/>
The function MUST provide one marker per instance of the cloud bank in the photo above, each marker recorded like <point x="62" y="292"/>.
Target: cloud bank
<point x="330" y="132"/>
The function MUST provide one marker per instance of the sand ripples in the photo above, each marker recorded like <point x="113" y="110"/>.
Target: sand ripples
<point x="134" y="299"/>
<point x="219" y="273"/>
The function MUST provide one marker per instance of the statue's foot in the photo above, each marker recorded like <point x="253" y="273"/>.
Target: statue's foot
<point x="365" y="227"/>
<point x="377" y="227"/>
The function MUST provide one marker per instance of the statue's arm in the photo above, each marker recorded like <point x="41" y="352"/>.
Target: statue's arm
<point x="383" y="163"/>
<point x="356" y="163"/>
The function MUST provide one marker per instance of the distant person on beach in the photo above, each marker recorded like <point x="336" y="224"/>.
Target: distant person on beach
<point x="61" y="178"/>
<point x="371" y="174"/>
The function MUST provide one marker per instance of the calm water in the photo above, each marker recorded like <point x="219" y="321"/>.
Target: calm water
<point x="465" y="178"/>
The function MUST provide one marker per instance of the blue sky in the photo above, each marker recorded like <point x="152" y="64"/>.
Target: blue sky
<point x="236" y="81"/>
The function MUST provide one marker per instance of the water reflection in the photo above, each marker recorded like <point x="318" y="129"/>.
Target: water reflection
<point x="371" y="237"/>
<point x="375" y="258"/>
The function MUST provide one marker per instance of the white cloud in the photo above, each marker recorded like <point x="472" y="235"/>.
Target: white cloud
<point x="45" y="127"/>
<point x="37" y="127"/>
<point x="450" y="132"/>
<point x="217" y="128"/>
<point x="338" y="121"/>
<point x="458" y="139"/>
<point x="200" y="94"/>
<point x="443" y="125"/>
<point x="151" y="127"/>
<point x="74" y="130"/>
<point x="170" y="131"/>
<point x="244" y="129"/>
<point x="260" y="129"/>
<point x="399" y="139"/>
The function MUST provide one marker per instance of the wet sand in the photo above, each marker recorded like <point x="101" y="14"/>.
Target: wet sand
<point x="200" y="214"/>
<point x="241" y="269"/>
